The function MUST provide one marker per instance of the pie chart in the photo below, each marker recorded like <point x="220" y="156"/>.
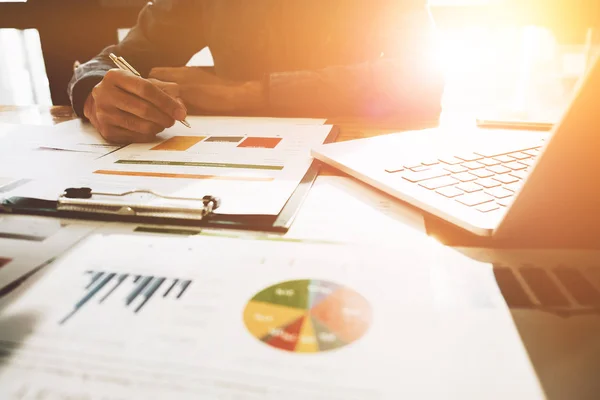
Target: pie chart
<point x="307" y="316"/>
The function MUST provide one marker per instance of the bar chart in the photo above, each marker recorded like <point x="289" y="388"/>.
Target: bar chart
<point x="133" y="291"/>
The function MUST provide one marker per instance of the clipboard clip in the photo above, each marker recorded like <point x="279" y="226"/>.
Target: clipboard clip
<point x="136" y="203"/>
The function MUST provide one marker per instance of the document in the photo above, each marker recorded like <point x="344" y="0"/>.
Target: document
<point x="143" y="316"/>
<point x="28" y="243"/>
<point x="252" y="168"/>
<point x="343" y="209"/>
<point x="77" y="135"/>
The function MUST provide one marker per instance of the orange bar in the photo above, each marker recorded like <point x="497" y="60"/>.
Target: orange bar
<point x="179" y="143"/>
<point x="185" y="176"/>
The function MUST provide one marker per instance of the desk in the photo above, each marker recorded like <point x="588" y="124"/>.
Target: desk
<point x="563" y="349"/>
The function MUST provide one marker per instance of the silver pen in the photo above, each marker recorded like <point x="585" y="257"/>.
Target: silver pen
<point x="125" y="66"/>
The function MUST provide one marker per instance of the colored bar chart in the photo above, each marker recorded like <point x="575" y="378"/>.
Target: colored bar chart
<point x="179" y="143"/>
<point x="260" y="142"/>
<point x="145" y="288"/>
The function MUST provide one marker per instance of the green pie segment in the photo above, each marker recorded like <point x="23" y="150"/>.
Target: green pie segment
<point x="307" y="316"/>
<point x="291" y="294"/>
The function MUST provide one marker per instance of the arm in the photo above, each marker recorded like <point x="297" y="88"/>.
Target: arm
<point x="401" y="78"/>
<point x="405" y="80"/>
<point x="156" y="40"/>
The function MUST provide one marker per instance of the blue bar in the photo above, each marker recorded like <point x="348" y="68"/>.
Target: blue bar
<point x="138" y="289"/>
<point x="88" y="296"/>
<point x="96" y="276"/>
<point x="150" y="291"/>
<point x="121" y="279"/>
<point x="171" y="287"/>
<point x="184" y="287"/>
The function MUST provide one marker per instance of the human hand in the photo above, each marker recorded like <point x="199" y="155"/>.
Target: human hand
<point x="205" y="93"/>
<point x="125" y="108"/>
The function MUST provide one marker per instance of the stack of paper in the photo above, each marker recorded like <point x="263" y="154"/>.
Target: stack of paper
<point x="253" y="167"/>
<point x="136" y="316"/>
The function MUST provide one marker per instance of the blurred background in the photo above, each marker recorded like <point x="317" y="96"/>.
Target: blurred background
<point x="515" y="58"/>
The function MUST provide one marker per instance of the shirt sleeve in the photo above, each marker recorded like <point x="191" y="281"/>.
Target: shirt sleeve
<point x="405" y="79"/>
<point x="158" y="39"/>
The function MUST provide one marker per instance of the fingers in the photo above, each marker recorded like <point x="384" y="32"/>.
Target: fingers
<point x="144" y="128"/>
<point x="119" y="135"/>
<point x="142" y="109"/>
<point x="144" y="89"/>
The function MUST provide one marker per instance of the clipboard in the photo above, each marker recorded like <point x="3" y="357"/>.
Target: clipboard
<point x="148" y="207"/>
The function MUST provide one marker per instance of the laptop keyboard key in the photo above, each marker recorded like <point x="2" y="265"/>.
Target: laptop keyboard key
<point x="505" y="202"/>
<point x="499" y="169"/>
<point x="419" y="168"/>
<point x="488" y="183"/>
<point x="487" y="207"/>
<point x="499" y="192"/>
<point x="519" y="174"/>
<point x="451" y="160"/>
<point x="430" y="162"/>
<point x="472" y="165"/>
<point x="455" y="169"/>
<point x="529" y="162"/>
<point x="532" y="152"/>
<point x="514" y="187"/>
<point x="411" y="165"/>
<point x="482" y="173"/>
<point x="488" y="162"/>
<point x="393" y="170"/>
<point x="437" y="183"/>
<point x="504" y="158"/>
<point x="465" y="177"/>
<point x="506" y="179"/>
<point x="474" y="199"/>
<point x="469" y="187"/>
<point x="469" y="157"/>
<point x="519" y="155"/>
<point x="424" y="175"/>
<point x="450" y="192"/>
<point x="515" y="165"/>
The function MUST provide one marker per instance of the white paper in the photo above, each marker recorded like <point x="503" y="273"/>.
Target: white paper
<point x="344" y="209"/>
<point x="202" y="345"/>
<point x="252" y="168"/>
<point x="27" y="243"/>
<point x="78" y="136"/>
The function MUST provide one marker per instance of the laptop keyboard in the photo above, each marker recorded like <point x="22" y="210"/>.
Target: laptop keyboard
<point x="484" y="180"/>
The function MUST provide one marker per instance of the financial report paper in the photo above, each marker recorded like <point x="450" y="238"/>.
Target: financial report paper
<point x="254" y="168"/>
<point x="122" y="317"/>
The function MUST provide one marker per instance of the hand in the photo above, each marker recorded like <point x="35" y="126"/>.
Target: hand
<point x="205" y="93"/>
<point x="125" y="108"/>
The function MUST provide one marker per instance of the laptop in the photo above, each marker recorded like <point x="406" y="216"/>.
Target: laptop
<point x="531" y="187"/>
